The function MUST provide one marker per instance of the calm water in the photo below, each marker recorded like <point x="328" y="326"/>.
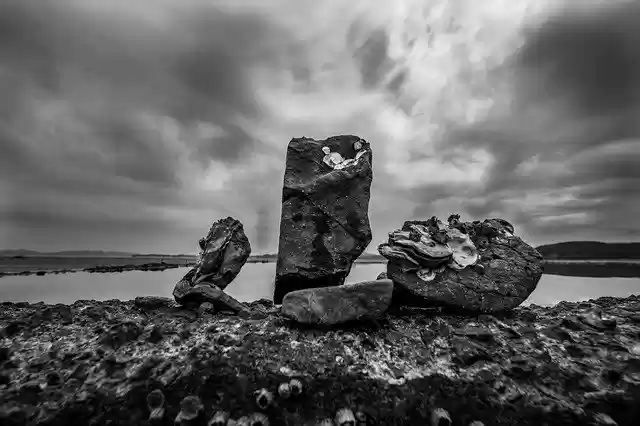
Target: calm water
<point x="256" y="281"/>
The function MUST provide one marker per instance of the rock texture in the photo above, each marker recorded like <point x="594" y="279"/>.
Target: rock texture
<point x="340" y="304"/>
<point x="505" y="272"/>
<point x="224" y="251"/>
<point x="325" y="224"/>
<point x="124" y="363"/>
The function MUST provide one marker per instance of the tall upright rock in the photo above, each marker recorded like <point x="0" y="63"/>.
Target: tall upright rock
<point x="325" y="212"/>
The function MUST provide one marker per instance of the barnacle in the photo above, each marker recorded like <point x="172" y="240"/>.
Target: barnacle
<point x="295" y="386"/>
<point x="264" y="398"/>
<point x="284" y="390"/>
<point x="155" y="403"/>
<point x="258" y="419"/>
<point x="243" y="421"/>
<point x="190" y="409"/>
<point x="440" y="417"/>
<point x="345" y="417"/>
<point x="426" y="274"/>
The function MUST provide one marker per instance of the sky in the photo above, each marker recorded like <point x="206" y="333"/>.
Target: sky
<point x="134" y="124"/>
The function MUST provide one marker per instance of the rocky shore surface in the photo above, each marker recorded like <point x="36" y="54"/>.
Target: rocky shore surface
<point x="96" y="363"/>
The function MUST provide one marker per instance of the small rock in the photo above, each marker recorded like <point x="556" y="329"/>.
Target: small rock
<point x="206" y="308"/>
<point x="153" y="302"/>
<point x="155" y="404"/>
<point x="340" y="304"/>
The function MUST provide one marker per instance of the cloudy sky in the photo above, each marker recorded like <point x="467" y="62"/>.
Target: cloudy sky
<point x="134" y="124"/>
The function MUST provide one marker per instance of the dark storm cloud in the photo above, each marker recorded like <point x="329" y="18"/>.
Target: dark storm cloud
<point x="576" y="112"/>
<point x="78" y="82"/>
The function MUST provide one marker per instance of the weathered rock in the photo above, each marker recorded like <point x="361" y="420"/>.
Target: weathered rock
<point x="340" y="304"/>
<point x="193" y="296"/>
<point x="224" y="251"/>
<point x="325" y="224"/>
<point x="506" y="273"/>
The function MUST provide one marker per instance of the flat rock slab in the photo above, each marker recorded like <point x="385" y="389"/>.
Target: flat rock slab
<point x="340" y="304"/>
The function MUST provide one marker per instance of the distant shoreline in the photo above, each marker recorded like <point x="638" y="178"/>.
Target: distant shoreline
<point x="43" y="265"/>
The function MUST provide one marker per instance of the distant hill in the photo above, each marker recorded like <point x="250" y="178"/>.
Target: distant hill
<point x="590" y="250"/>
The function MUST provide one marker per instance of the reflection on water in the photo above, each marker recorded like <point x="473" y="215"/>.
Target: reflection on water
<point x="256" y="281"/>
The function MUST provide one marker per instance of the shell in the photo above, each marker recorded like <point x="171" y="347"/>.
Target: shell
<point x="426" y="274"/>
<point x="345" y="417"/>
<point x="465" y="252"/>
<point x="295" y="386"/>
<point x="220" y="418"/>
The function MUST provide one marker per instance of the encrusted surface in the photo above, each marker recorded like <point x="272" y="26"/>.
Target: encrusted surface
<point x="506" y="273"/>
<point x="95" y="363"/>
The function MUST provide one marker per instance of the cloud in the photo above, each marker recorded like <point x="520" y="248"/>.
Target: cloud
<point x="134" y="125"/>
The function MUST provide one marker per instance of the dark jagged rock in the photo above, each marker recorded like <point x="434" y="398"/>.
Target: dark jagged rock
<point x="501" y="270"/>
<point x="224" y="251"/>
<point x="573" y="363"/>
<point x="325" y="224"/>
<point x="340" y="304"/>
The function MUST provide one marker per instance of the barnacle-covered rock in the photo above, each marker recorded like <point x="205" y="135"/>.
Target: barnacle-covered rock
<point x="324" y="225"/>
<point x="489" y="268"/>
<point x="224" y="251"/>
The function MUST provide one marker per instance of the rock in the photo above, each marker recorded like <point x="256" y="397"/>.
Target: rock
<point x="509" y="273"/>
<point x="193" y="296"/>
<point x="206" y="308"/>
<point x="325" y="224"/>
<point x="153" y="302"/>
<point x="340" y="304"/>
<point x="382" y="276"/>
<point x="224" y="251"/>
